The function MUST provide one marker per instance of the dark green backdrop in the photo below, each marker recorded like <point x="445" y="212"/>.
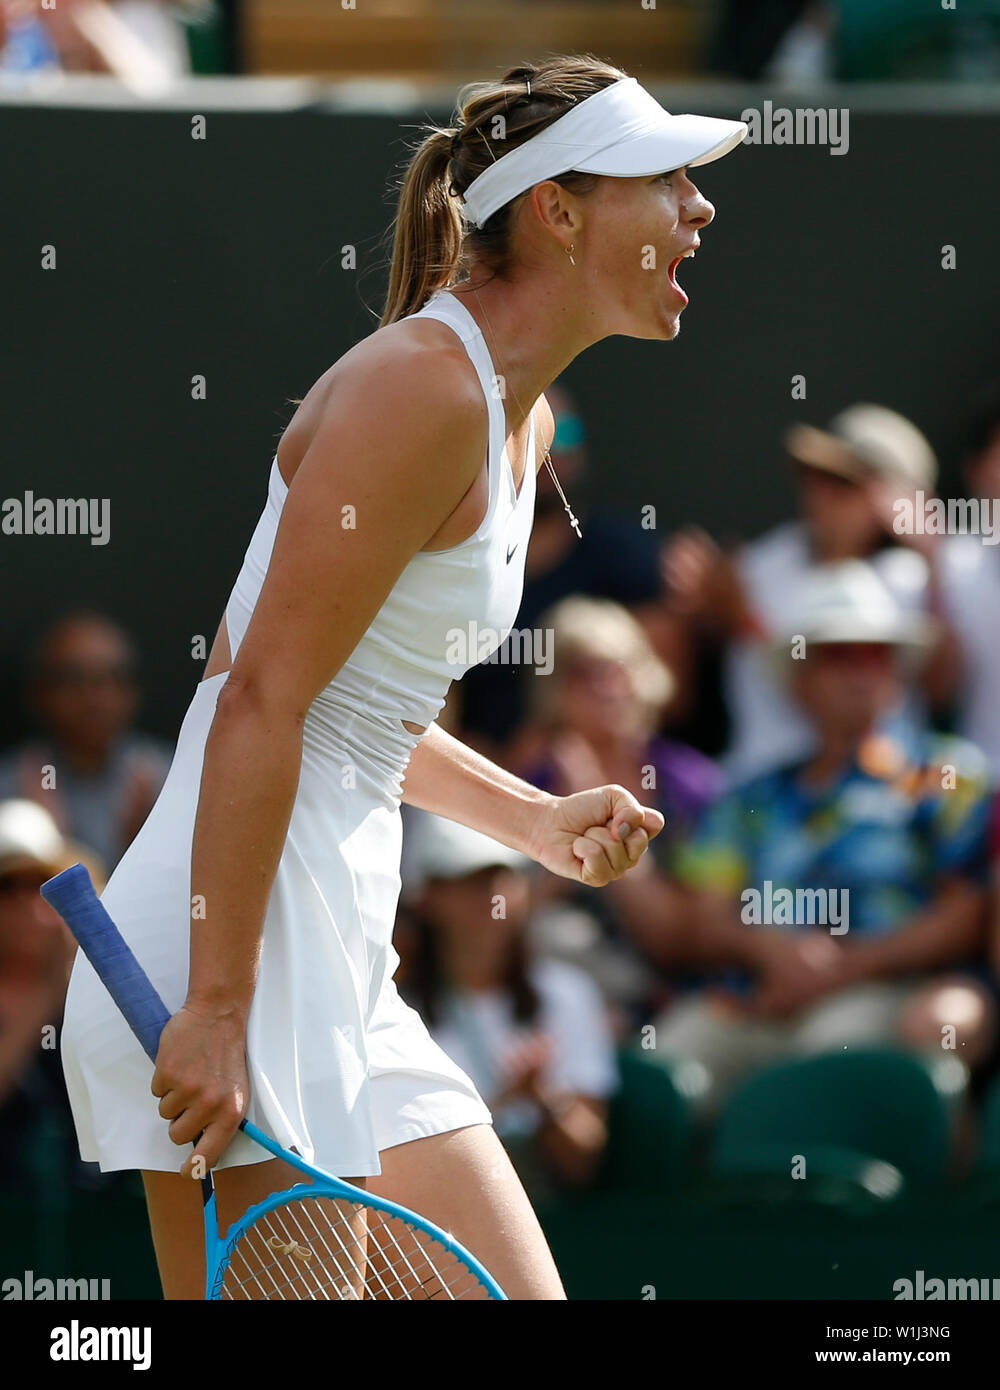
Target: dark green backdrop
<point x="223" y="257"/>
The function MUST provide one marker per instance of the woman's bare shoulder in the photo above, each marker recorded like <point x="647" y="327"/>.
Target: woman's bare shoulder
<point x="420" y="358"/>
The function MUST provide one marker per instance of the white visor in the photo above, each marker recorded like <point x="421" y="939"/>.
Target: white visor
<point x="620" y="131"/>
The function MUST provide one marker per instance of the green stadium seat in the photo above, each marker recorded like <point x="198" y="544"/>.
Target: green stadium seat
<point x="205" y="30"/>
<point x="835" y="1177"/>
<point x="914" y="40"/>
<point x="980" y="1188"/>
<point x="990" y="1139"/>
<point x="989" y="1145"/>
<point x="838" y="1108"/>
<point x="649" y="1127"/>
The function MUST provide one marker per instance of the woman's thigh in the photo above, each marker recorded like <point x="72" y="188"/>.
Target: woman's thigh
<point x="464" y="1182"/>
<point x="177" y="1224"/>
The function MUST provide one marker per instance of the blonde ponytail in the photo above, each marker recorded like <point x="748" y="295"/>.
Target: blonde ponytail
<point x="427" y="240"/>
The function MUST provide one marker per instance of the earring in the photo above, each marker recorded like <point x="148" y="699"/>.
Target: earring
<point x="569" y="251"/>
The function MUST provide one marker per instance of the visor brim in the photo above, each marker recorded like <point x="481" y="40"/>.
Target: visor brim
<point x="681" y="142"/>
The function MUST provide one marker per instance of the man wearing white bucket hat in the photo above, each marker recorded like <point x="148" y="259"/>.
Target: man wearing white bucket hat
<point x="837" y="890"/>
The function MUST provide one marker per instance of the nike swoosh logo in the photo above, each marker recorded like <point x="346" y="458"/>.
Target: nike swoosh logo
<point x="510" y="552"/>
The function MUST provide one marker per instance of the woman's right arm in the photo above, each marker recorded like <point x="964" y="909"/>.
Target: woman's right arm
<point x="401" y="440"/>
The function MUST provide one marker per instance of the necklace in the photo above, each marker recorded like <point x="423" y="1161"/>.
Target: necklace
<point x="548" y="457"/>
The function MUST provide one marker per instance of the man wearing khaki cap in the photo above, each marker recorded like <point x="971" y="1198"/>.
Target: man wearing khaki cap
<point x="866" y="442"/>
<point x="849" y="476"/>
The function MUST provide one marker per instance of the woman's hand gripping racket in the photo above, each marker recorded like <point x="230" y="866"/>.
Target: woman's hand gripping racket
<point x="321" y="1239"/>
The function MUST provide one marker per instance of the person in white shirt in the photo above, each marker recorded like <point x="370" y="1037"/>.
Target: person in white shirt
<point x="970" y="573"/>
<point x="532" y="1032"/>
<point x="850" y="477"/>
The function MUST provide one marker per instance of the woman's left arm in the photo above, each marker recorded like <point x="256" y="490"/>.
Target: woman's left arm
<point x="593" y="836"/>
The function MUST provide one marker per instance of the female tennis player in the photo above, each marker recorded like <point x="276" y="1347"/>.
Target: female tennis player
<point x="261" y="891"/>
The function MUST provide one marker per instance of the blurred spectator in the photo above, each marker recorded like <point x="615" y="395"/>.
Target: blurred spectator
<point x="806" y="54"/>
<point x="849" y="478"/>
<point x="994" y="908"/>
<point x="970" y="575"/>
<point x="142" y="42"/>
<point x="594" y="721"/>
<point x="531" y="1033"/>
<point x="157" y="25"/>
<point x="615" y="559"/>
<point x="750" y="35"/>
<point x="886" y="835"/>
<point x="95" y="775"/>
<point x="856" y="40"/>
<point x="26" y="44"/>
<point x="36" y="952"/>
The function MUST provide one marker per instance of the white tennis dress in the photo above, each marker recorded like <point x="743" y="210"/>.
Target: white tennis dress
<point x="340" y="1067"/>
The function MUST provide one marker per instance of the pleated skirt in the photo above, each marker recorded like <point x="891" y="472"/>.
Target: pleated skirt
<point x="340" y="1067"/>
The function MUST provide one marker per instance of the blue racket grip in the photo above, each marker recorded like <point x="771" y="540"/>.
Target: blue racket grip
<point x="73" y="896"/>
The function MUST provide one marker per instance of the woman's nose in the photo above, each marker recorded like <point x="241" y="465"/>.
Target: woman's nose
<point x="698" y="210"/>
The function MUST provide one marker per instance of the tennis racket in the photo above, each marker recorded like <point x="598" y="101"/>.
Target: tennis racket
<point x="321" y="1239"/>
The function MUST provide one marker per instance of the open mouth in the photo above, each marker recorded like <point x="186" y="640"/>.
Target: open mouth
<point x="672" y="272"/>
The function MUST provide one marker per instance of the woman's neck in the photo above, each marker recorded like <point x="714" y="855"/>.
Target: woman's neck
<point x="534" y="326"/>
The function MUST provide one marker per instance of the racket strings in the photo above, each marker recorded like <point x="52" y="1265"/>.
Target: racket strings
<point x="322" y="1248"/>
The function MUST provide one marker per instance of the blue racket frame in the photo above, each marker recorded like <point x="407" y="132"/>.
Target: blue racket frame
<point x="74" y="897"/>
